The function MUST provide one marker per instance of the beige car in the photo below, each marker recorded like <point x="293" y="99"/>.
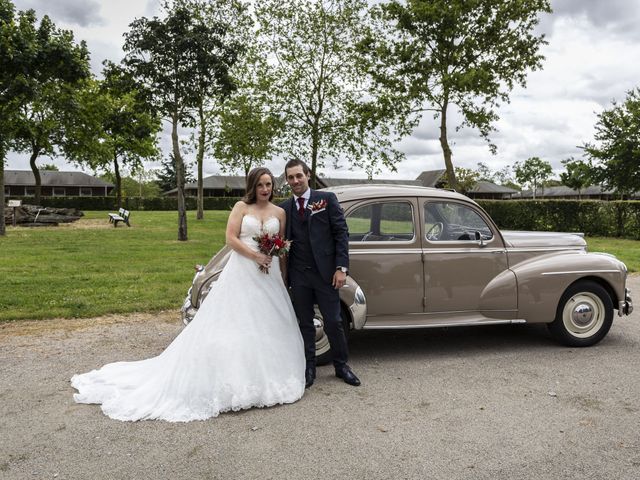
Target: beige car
<point x="424" y="257"/>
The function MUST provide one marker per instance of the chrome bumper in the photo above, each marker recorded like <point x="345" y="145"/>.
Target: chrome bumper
<point x="625" y="307"/>
<point x="187" y="312"/>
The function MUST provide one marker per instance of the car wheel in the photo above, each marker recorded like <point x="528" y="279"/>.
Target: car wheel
<point x="584" y="315"/>
<point x="323" y="348"/>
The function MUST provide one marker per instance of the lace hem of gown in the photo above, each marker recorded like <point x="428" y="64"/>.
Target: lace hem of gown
<point x="175" y="410"/>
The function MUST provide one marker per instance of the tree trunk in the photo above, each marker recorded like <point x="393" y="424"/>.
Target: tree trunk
<point x="2" y="227"/>
<point x="182" y="211"/>
<point x="36" y="175"/>
<point x="200" y="158"/>
<point x="116" y="170"/>
<point x="314" y="154"/>
<point x="446" y="150"/>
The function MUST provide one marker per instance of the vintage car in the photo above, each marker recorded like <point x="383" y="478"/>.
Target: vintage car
<point x="423" y="257"/>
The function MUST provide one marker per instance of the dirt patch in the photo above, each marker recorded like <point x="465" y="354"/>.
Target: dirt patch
<point x="35" y="327"/>
<point x="88" y="224"/>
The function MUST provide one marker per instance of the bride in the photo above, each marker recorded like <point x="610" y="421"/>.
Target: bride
<point x="243" y="349"/>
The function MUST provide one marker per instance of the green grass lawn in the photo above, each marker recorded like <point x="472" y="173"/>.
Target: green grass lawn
<point x="626" y="250"/>
<point x="89" y="268"/>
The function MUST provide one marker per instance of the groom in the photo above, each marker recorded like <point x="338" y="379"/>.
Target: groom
<point x="317" y="266"/>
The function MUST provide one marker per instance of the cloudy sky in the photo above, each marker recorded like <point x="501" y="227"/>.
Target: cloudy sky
<point x="593" y="57"/>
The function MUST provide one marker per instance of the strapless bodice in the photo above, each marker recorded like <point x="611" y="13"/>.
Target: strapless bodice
<point x="252" y="226"/>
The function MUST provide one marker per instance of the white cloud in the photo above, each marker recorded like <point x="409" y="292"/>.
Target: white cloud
<point x="591" y="59"/>
<point x="71" y="12"/>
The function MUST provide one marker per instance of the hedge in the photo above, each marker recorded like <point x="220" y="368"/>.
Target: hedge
<point x="591" y="217"/>
<point x="134" y="203"/>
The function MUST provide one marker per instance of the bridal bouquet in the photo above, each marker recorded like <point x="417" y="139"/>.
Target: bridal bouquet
<point x="272" y="244"/>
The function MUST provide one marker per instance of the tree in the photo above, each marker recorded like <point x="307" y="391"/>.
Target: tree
<point x="504" y="177"/>
<point x="221" y="27"/>
<point x="16" y="34"/>
<point x="484" y="173"/>
<point x="615" y="159"/>
<point x="134" y="187"/>
<point x="246" y="135"/>
<point x="470" y="54"/>
<point x="57" y="68"/>
<point x="173" y="56"/>
<point x="33" y="60"/>
<point x="166" y="177"/>
<point x="117" y="126"/>
<point x="320" y="86"/>
<point x="533" y="171"/>
<point x="466" y="178"/>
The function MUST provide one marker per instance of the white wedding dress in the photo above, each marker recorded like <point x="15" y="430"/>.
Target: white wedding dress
<point x="243" y="349"/>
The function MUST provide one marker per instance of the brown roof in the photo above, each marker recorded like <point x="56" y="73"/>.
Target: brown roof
<point x="429" y="178"/>
<point x="51" y="178"/>
<point x="216" y="182"/>
<point x="336" y="182"/>
<point x="564" y="191"/>
<point x="483" y="186"/>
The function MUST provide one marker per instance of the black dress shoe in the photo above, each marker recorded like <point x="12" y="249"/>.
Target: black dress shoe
<point x="347" y="375"/>
<point x="309" y="375"/>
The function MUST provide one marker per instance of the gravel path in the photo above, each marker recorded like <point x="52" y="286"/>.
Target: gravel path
<point x="481" y="403"/>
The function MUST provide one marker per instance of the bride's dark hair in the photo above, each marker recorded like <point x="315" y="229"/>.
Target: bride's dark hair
<point x="252" y="182"/>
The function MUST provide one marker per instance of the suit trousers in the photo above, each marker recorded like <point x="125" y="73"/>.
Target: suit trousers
<point x="307" y="289"/>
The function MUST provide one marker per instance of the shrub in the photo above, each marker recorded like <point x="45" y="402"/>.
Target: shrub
<point x="134" y="203"/>
<point x="591" y="217"/>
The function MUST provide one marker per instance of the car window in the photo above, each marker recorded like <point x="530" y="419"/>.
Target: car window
<point x="381" y="222"/>
<point x="450" y="221"/>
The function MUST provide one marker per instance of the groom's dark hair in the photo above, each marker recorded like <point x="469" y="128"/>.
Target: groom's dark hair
<point x="295" y="162"/>
<point x="252" y="182"/>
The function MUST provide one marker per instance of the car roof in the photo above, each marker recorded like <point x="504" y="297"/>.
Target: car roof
<point x="347" y="193"/>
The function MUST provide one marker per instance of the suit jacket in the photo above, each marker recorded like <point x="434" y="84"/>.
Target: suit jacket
<point x="328" y="232"/>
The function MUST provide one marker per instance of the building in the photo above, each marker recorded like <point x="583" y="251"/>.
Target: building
<point x="482" y="190"/>
<point x="214" y="186"/>
<point x="338" y="182"/>
<point x="432" y="178"/>
<point x="21" y="183"/>
<point x="594" y="192"/>
<point x="234" y="185"/>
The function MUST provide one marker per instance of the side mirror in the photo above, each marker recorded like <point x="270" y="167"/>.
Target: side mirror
<point x="479" y="238"/>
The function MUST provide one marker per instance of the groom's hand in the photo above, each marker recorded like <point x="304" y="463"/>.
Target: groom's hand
<point x="339" y="279"/>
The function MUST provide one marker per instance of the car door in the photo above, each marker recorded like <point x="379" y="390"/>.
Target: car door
<point x="465" y="263"/>
<point x="385" y="257"/>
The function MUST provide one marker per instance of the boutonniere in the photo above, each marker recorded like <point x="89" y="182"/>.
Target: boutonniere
<point x="317" y="207"/>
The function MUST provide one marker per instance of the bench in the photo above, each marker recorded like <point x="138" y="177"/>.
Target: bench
<point x="121" y="216"/>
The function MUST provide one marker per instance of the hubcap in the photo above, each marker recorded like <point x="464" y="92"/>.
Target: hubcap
<point x="582" y="314"/>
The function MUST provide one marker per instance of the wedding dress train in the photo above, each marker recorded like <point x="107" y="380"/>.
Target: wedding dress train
<point x="243" y="349"/>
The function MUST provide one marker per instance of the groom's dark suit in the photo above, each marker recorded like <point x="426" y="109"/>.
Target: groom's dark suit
<point x="320" y="244"/>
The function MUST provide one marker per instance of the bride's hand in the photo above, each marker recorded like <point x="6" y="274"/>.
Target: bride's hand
<point x="263" y="260"/>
